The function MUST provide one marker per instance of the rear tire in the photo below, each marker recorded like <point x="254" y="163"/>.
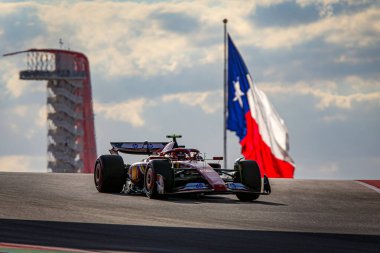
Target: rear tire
<point x="109" y="174"/>
<point x="248" y="173"/>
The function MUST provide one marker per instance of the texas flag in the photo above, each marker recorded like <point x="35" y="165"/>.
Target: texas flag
<point x="263" y="134"/>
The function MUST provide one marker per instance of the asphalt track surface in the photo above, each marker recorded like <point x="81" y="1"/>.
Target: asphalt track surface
<point x="65" y="210"/>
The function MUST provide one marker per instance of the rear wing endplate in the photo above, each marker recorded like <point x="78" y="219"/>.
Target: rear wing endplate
<point x="137" y="148"/>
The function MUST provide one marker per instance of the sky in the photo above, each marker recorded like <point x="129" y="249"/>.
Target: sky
<point x="157" y="69"/>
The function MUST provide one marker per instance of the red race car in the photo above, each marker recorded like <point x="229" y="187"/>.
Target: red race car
<point x="172" y="169"/>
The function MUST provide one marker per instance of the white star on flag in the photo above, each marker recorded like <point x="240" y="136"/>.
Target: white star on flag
<point x="238" y="93"/>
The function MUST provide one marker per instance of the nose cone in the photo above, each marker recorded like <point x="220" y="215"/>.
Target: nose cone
<point x="220" y="187"/>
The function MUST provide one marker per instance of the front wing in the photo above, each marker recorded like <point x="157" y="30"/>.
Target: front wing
<point x="231" y="188"/>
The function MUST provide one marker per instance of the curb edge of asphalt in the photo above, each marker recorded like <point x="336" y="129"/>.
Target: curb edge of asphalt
<point x="366" y="184"/>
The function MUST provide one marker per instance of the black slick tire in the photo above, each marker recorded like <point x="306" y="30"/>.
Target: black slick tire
<point x="109" y="174"/>
<point x="248" y="173"/>
<point x="162" y="167"/>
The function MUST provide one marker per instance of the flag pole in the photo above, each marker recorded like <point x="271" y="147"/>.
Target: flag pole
<point x="225" y="95"/>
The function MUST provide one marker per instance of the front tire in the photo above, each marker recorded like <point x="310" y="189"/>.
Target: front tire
<point x="248" y="173"/>
<point x="162" y="167"/>
<point x="150" y="183"/>
<point x="109" y="174"/>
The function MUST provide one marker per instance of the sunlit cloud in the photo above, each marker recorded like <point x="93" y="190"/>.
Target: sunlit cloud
<point x="327" y="93"/>
<point x="40" y="120"/>
<point x="125" y="38"/>
<point x="131" y="38"/>
<point x="130" y="111"/>
<point x="209" y="101"/>
<point x="325" y="10"/>
<point x="346" y="30"/>
<point x="23" y="163"/>
<point x="359" y="84"/>
<point x="13" y="86"/>
<point x="26" y="120"/>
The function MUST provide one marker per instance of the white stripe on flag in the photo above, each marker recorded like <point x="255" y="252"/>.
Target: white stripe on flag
<point x="271" y="126"/>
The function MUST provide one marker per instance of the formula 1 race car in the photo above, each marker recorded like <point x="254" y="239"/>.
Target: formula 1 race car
<point x="171" y="169"/>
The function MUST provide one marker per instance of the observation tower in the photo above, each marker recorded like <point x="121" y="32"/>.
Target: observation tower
<point x="71" y="144"/>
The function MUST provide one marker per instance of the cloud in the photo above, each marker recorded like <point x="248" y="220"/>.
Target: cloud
<point x="208" y="101"/>
<point x="23" y="163"/>
<point x="345" y="58"/>
<point x="20" y="111"/>
<point x="284" y="14"/>
<point x="349" y="30"/>
<point x="26" y="120"/>
<point x="130" y="112"/>
<point x="130" y="38"/>
<point x="126" y="38"/>
<point x="341" y="101"/>
<point x="21" y="25"/>
<point x="327" y="92"/>
<point x="10" y="84"/>
<point x="329" y="169"/>
<point x="334" y="118"/>
<point x="13" y="86"/>
<point x="13" y="7"/>
<point x="177" y="22"/>
<point x="304" y="3"/>
<point x="324" y="170"/>
<point x="40" y="120"/>
<point x="325" y="9"/>
<point x="358" y="30"/>
<point x="359" y="84"/>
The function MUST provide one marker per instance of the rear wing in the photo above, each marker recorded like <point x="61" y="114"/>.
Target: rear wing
<point x="137" y="148"/>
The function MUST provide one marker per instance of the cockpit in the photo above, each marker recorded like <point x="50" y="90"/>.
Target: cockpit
<point x="172" y="151"/>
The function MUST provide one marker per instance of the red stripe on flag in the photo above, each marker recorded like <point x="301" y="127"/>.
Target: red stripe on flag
<point x="254" y="148"/>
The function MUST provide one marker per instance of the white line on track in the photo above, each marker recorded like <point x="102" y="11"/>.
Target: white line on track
<point x="369" y="186"/>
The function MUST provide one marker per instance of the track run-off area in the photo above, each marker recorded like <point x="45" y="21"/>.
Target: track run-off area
<point x="64" y="212"/>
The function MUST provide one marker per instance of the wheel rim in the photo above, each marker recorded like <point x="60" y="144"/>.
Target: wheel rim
<point x="149" y="180"/>
<point x="97" y="174"/>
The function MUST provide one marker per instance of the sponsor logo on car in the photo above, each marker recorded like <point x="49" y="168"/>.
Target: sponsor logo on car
<point x="236" y="186"/>
<point x="195" y="186"/>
